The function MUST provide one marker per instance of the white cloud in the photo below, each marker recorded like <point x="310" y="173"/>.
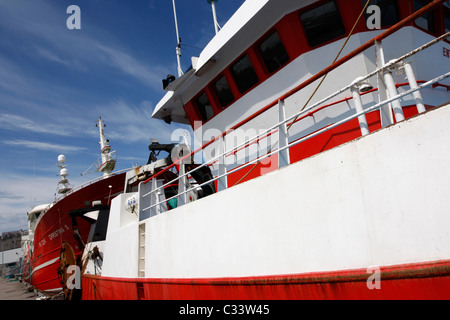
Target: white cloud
<point x="129" y="65"/>
<point x="18" y="195"/>
<point x="18" y="123"/>
<point x="42" y="145"/>
<point x="131" y="122"/>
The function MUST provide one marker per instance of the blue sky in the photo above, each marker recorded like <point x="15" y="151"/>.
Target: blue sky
<point x="56" y="82"/>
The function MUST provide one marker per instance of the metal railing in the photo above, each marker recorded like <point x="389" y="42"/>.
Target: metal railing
<point x="155" y="190"/>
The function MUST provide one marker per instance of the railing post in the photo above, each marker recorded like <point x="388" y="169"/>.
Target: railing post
<point x="359" y="108"/>
<point x="157" y="196"/>
<point x="222" y="183"/>
<point x="392" y="90"/>
<point x="386" y="110"/>
<point x="182" y="181"/>
<point x="413" y="85"/>
<point x="144" y="201"/>
<point x="283" y="137"/>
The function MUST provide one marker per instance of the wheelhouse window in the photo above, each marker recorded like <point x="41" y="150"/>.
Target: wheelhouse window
<point x="273" y="52"/>
<point x="447" y="18"/>
<point x="223" y="92"/>
<point x="389" y="11"/>
<point x="204" y="106"/>
<point x="244" y="74"/>
<point x="322" y="24"/>
<point x="426" y="21"/>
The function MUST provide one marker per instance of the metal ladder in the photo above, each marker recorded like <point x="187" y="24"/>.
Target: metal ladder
<point x="141" y="254"/>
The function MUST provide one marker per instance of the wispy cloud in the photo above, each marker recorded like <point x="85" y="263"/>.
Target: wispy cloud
<point x="132" y="122"/>
<point x="41" y="21"/>
<point x="42" y="145"/>
<point x="19" y="123"/>
<point x="19" y="198"/>
<point x="8" y="195"/>
<point x="53" y="57"/>
<point x="118" y="58"/>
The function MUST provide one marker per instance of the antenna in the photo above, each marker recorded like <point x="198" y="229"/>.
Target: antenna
<point x="213" y="6"/>
<point x="178" y="49"/>
<point x="107" y="160"/>
<point x="63" y="185"/>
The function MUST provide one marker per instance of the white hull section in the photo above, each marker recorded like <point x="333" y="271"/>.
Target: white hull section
<point x="378" y="201"/>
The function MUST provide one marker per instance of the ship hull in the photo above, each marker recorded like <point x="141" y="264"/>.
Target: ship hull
<point x="57" y="226"/>
<point x="424" y="281"/>
<point x="334" y="226"/>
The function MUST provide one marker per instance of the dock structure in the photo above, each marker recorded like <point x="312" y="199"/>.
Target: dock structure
<point x="15" y="290"/>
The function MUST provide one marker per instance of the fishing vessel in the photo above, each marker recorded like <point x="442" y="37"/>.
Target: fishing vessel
<point x="55" y="225"/>
<point x="324" y="133"/>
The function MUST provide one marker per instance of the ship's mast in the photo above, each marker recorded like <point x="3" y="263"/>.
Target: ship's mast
<point x="108" y="163"/>
<point x="178" y="49"/>
<point x="213" y="7"/>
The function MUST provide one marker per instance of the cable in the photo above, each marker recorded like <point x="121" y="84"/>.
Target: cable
<point x="315" y="91"/>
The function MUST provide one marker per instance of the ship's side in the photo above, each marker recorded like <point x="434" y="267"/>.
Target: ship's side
<point x="56" y="226"/>
<point x="345" y="187"/>
<point x="322" y="228"/>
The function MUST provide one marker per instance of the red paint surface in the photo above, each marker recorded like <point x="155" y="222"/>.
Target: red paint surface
<point x="412" y="281"/>
<point x="47" y="243"/>
<point x="328" y="140"/>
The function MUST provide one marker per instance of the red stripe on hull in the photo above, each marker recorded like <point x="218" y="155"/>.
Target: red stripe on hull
<point x="412" y="282"/>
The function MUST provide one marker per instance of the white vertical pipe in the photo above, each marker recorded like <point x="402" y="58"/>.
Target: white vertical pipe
<point x="178" y="49"/>
<point x="182" y="181"/>
<point x="359" y="108"/>
<point x="283" y="137"/>
<point x="386" y="115"/>
<point x="413" y="84"/>
<point x="392" y="90"/>
<point x="222" y="183"/>
<point x="216" y="25"/>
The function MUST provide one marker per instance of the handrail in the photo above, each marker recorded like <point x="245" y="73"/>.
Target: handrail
<point x="307" y="112"/>
<point x="80" y="187"/>
<point x="388" y="66"/>
<point x="307" y="137"/>
<point x="316" y="77"/>
<point x="301" y="113"/>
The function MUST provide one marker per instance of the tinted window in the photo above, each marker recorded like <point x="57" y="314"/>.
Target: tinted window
<point x="205" y="108"/>
<point x="426" y="21"/>
<point x="322" y="24"/>
<point x="243" y="74"/>
<point x="273" y="52"/>
<point x="447" y="20"/>
<point x="389" y="11"/>
<point x="101" y="226"/>
<point x="223" y="92"/>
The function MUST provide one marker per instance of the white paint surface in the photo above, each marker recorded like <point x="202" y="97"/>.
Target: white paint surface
<point x="380" y="200"/>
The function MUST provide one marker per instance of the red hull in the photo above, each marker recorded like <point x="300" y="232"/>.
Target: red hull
<point x="413" y="282"/>
<point x="55" y="227"/>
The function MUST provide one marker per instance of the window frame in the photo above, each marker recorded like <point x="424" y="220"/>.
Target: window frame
<point x="315" y="6"/>
<point x="261" y="59"/>
<point x="197" y="108"/>
<point x="216" y="96"/>
<point x="432" y="13"/>
<point x="258" y="78"/>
